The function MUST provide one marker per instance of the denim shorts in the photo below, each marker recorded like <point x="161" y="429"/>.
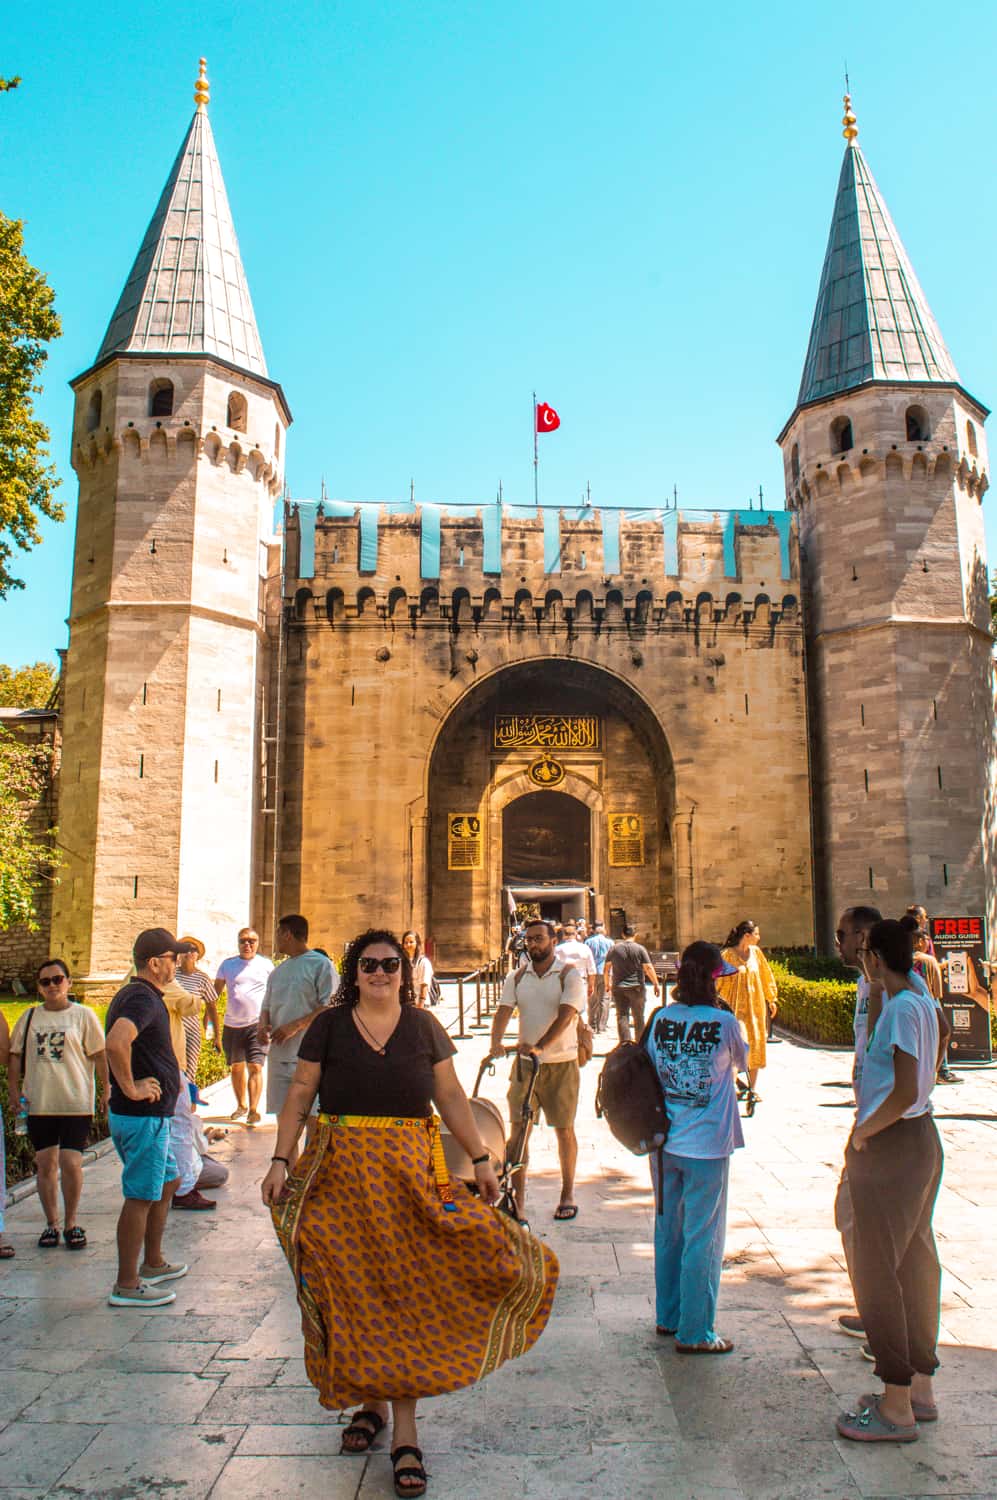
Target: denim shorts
<point x="143" y="1144"/>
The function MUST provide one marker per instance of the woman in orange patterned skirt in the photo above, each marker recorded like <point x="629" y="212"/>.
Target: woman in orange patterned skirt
<point x="409" y="1284"/>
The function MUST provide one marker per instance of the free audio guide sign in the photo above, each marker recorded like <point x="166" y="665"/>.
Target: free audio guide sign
<point x="960" y="945"/>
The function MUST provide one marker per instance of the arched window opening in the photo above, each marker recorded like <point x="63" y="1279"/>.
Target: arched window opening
<point x="971" y="438"/>
<point x="94" y="411"/>
<point x="794" y="463"/>
<point x="161" y="398"/>
<point x="842" y="440"/>
<point x="918" y="426"/>
<point x="235" y="417"/>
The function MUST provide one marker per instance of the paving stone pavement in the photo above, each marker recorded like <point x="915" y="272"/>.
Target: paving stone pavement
<point x="209" y="1397"/>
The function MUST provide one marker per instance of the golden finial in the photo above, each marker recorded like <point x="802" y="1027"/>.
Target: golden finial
<point x="202" y="89"/>
<point x="850" y="131"/>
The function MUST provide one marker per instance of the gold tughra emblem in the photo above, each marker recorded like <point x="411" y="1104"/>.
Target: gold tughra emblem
<point x="546" y="771"/>
<point x="546" y="732"/>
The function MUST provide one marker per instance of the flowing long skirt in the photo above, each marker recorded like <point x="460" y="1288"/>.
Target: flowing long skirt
<point x="402" y="1295"/>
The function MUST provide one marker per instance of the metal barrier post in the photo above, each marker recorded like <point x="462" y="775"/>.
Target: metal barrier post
<point x="461" y="1033"/>
<point x="477" y="996"/>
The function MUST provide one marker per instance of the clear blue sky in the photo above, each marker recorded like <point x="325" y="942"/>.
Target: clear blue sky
<point x="444" y="206"/>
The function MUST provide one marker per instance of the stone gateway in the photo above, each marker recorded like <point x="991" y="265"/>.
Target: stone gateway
<point x="428" y="716"/>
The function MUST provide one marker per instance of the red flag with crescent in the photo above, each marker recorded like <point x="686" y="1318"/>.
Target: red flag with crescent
<point x="547" y="418"/>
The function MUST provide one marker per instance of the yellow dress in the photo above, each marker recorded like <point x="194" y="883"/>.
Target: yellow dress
<point x="748" y="993"/>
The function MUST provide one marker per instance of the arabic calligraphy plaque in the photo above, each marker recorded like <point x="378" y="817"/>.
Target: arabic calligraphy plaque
<point x="626" y="839"/>
<point x="546" y="732"/>
<point x="465" y="844"/>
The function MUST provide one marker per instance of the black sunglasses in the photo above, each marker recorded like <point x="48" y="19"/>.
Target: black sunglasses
<point x="53" y="979"/>
<point x="371" y="965"/>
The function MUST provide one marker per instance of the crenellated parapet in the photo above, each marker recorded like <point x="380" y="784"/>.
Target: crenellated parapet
<point x="167" y="443"/>
<point x="576" y="572"/>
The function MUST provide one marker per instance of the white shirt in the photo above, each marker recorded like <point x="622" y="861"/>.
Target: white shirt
<point x="907" y="1023"/>
<point x="579" y="954"/>
<point x="422" y="975"/>
<point x="245" y="981"/>
<point x="860" y="1024"/>
<point x="538" y="998"/>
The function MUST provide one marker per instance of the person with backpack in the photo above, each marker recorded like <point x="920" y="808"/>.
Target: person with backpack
<point x="550" y="995"/>
<point x="696" y="1046"/>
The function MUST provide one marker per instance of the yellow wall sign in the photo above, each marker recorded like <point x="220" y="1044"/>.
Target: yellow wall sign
<point x="465" y="844"/>
<point x="626" y="839"/>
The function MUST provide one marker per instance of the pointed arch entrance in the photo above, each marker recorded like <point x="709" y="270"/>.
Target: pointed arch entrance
<point x="565" y="777"/>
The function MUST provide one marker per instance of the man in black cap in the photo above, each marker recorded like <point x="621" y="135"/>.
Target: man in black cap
<point x="145" y="1082"/>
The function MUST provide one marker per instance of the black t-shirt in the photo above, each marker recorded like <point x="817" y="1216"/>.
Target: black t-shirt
<point x="627" y="959"/>
<point x="152" y="1051"/>
<point x="356" y="1080"/>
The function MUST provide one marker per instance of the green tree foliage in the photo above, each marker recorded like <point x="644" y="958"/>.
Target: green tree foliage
<point x="27" y="687"/>
<point x="28" y="322"/>
<point x="27" y="855"/>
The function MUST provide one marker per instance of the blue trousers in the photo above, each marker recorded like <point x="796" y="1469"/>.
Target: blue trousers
<point x="689" y="1244"/>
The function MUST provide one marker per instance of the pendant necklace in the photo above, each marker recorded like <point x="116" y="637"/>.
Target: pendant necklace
<point x="370" y="1035"/>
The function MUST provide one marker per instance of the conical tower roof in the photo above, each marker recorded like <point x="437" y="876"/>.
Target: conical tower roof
<point x="872" y="320"/>
<point x="187" y="291"/>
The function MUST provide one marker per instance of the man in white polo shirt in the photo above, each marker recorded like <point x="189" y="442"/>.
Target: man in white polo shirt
<point x="244" y="977"/>
<point x="549" y="994"/>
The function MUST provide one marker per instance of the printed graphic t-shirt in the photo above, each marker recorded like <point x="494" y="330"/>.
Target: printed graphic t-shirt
<point x="245" y="981"/>
<point x="58" y="1071"/>
<point x="695" y="1049"/>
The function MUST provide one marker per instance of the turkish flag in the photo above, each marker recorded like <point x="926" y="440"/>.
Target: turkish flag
<point x="547" y="418"/>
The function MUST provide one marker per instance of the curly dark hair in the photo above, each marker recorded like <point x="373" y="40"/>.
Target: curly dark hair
<point x="349" y="987"/>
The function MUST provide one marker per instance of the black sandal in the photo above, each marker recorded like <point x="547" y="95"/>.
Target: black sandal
<point x="414" y="1474"/>
<point x="363" y="1424"/>
<point x="48" y="1238"/>
<point x="76" y="1238"/>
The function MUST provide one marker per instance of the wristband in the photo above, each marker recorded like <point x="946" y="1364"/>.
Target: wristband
<point x="281" y="1158"/>
<point x="477" y="1161"/>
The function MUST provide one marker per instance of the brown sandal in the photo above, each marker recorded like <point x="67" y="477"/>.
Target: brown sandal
<point x="414" y="1475"/>
<point x="363" y="1424"/>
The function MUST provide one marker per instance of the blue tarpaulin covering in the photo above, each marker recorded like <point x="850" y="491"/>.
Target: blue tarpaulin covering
<point x="782" y="521"/>
<point x="552" y="541"/>
<point x="610" y="542"/>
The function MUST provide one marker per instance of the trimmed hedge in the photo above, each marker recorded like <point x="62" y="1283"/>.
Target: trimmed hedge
<point x="211" y="1067"/>
<point x="819" y="1009"/>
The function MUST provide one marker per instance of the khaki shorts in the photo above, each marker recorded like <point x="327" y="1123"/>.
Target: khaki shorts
<point x="556" y="1092"/>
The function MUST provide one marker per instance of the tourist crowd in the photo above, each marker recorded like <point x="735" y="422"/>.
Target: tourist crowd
<point x="360" y="1068"/>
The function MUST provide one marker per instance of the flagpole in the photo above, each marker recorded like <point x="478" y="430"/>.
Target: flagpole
<point x="536" y="455"/>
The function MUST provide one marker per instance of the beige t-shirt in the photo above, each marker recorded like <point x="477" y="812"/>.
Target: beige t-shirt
<point x="58" y="1072"/>
<point x="538" y="998"/>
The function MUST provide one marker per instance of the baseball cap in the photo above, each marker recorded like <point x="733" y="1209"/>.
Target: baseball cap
<point x="155" y="941"/>
<point x="724" y="970"/>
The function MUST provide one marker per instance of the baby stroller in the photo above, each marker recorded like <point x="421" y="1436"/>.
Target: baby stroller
<point x="507" y="1156"/>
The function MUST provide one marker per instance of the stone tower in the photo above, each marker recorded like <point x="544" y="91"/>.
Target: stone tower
<point x="886" y="468"/>
<point x="178" y="442"/>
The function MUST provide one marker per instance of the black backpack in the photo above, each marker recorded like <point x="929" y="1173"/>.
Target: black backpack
<point x="630" y="1098"/>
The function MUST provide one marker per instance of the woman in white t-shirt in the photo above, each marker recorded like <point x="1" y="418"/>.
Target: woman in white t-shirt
<point x="894" y="1165"/>
<point x="696" y="1045"/>
<point x="422" y="969"/>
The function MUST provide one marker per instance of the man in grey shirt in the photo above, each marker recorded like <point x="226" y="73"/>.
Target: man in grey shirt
<point x="628" y="967"/>
<point x="297" y="990"/>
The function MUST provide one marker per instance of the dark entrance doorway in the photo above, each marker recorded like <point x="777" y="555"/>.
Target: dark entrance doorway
<point x="546" y="837"/>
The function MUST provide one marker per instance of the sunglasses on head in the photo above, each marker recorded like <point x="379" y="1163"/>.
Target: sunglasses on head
<point x="51" y="979"/>
<point x="389" y="965"/>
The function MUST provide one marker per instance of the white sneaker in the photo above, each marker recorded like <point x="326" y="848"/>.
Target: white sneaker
<point x="142" y="1295"/>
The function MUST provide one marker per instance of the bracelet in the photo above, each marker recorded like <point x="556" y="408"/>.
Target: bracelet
<point x="281" y="1158"/>
<point x="477" y="1161"/>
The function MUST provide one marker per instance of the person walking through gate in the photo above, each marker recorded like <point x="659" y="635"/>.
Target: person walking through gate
<point x="599" y="945"/>
<point x="56" y="1055"/>
<point x="297" y="990"/>
<point x="894" y="1165"/>
<point x="628" y="967"/>
<point x="750" y="992"/>
<point x="409" y="1285"/>
<point x="549" y="994"/>
<point x="696" y="1046"/>
<point x="244" y="978"/>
